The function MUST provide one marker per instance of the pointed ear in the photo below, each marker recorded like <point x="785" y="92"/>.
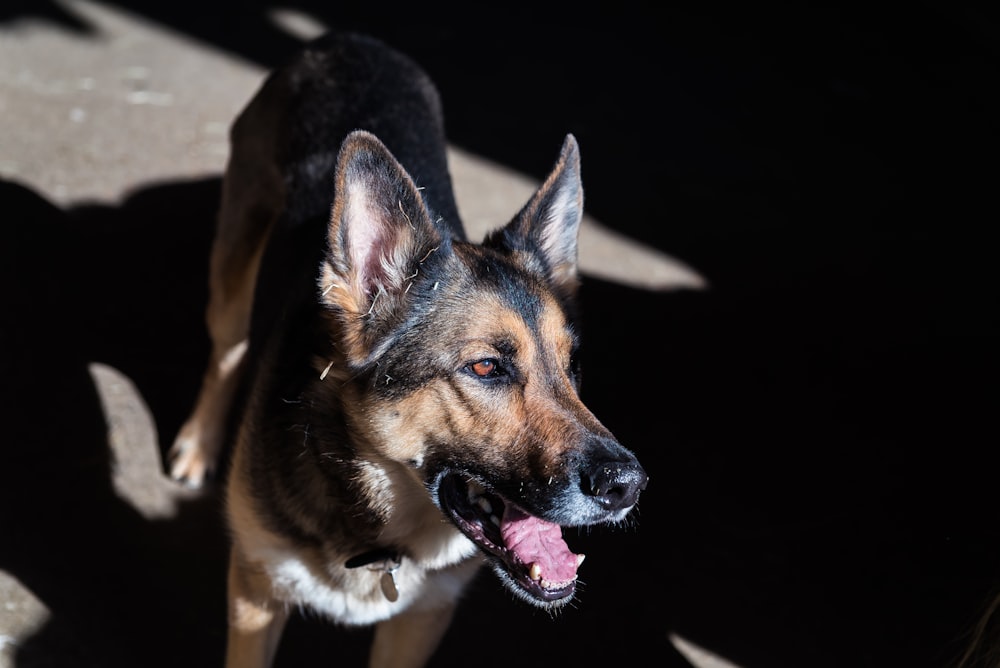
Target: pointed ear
<point x="379" y="232"/>
<point x="548" y="226"/>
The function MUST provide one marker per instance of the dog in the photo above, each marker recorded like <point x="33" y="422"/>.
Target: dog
<point x="389" y="405"/>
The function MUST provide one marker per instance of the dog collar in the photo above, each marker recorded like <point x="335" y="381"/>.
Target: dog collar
<point x="380" y="559"/>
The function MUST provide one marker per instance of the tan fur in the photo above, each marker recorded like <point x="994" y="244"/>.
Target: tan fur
<point x="250" y="199"/>
<point x="340" y="474"/>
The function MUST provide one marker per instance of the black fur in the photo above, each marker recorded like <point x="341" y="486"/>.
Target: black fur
<point x="400" y="380"/>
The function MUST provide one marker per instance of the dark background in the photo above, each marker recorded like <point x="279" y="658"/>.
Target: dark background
<point x="819" y="425"/>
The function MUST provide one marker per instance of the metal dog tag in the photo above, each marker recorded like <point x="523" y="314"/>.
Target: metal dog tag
<point x="388" y="583"/>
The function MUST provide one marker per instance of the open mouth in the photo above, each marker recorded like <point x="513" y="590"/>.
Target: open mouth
<point x="529" y="551"/>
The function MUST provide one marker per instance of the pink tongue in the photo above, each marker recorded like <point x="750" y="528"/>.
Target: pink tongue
<point x="536" y="541"/>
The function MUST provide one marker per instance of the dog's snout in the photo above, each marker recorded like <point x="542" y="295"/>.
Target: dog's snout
<point x="615" y="483"/>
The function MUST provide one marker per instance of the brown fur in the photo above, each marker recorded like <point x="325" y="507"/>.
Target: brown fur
<point x="392" y="385"/>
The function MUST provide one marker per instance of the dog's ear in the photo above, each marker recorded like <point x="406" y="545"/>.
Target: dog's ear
<point x="380" y="230"/>
<point x="545" y="231"/>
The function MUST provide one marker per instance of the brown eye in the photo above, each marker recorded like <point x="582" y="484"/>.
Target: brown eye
<point x="484" y="368"/>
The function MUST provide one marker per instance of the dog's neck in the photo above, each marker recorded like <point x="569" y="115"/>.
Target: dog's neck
<point x="382" y="559"/>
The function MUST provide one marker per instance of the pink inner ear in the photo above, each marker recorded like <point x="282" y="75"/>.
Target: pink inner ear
<point x="366" y="238"/>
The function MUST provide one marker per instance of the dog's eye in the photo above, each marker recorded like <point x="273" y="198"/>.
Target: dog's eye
<point x="485" y="368"/>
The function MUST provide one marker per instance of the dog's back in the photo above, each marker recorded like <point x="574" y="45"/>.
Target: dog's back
<point x="341" y="83"/>
<point x="337" y="84"/>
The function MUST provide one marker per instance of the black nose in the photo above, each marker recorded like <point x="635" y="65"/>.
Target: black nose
<point x="615" y="483"/>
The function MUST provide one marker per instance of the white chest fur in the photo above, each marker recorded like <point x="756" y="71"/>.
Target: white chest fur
<point x="437" y="562"/>
<point x="355" y="596"/>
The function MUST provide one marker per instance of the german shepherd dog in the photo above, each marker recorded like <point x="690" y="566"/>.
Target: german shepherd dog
<point x="403" y="402"/>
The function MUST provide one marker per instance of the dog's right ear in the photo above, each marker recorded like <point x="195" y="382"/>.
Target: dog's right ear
<point x="380" y="230"/>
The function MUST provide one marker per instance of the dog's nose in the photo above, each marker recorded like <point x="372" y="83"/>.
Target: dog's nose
<point x="615" y="483"/>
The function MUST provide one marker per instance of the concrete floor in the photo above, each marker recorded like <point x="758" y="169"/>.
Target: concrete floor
<point x="789" y="309"/>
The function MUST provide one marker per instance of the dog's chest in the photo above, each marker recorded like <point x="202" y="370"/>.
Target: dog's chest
<point x="435" y="560"/>
<point x="360" y="596"/>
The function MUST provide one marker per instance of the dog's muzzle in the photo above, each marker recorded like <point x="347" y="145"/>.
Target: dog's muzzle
<point x="518" y="523"/>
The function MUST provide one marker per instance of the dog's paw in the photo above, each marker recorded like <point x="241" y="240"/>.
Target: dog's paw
<point x="189" y="463"/>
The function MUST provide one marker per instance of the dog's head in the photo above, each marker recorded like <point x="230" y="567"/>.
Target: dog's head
<point x="463" y="358"/>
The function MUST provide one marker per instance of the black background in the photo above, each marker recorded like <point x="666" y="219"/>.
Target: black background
<point x="819" y="425"/>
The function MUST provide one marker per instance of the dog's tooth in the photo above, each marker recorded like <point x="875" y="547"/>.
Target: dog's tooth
<point x="579" y="559"/>
<point x="535" y="572"/>
<point x="474" y="490"/>
<point x="485" y="504"/>
<point x="495" y="520"/>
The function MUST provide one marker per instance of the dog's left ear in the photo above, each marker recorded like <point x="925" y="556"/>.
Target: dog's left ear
<point x="380" y="231"/>
<point x="546" y="230"/>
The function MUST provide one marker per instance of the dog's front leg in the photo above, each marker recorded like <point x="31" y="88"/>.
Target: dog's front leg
<point x="409" y="639"/>
<point x="256" y="620"/>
